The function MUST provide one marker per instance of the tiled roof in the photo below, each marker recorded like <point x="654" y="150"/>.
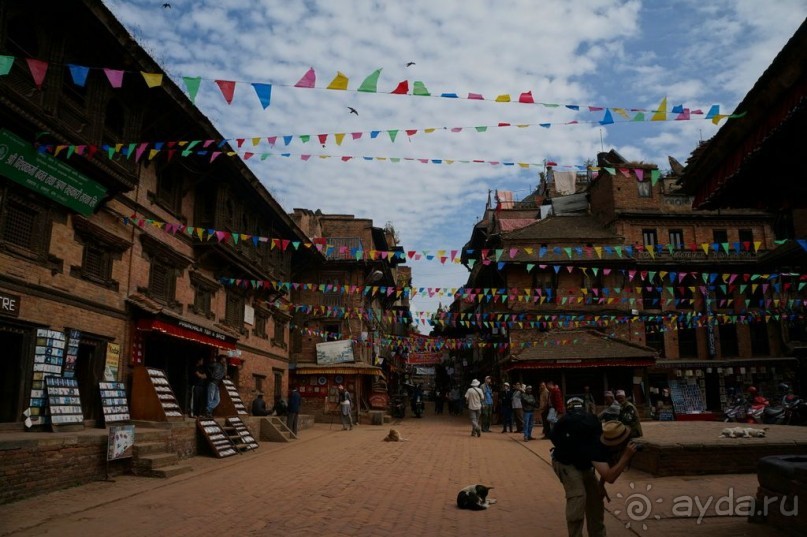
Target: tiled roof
<point x="565" y="228"/>
<point x="582" y="345"/>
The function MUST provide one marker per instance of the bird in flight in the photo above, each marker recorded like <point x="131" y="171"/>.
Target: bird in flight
<point x="167" y="6"/>
<point x="410" y="64"/>
<point x="353" y="110"/>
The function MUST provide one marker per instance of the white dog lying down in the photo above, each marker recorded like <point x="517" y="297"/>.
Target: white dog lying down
<point x="474" y="497"/>
<point x="743" y="432"/>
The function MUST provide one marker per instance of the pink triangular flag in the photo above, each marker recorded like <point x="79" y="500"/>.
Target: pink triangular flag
<point x="114" y="76"/>
<point x="227" y="88"/>
<point x="308" y="80"/>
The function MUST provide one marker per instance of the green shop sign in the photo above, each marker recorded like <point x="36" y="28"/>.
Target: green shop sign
<point x="20" y="162"/>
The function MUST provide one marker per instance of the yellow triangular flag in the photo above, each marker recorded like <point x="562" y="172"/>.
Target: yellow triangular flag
<point x="339" y="82"/>
<point x="661" y="113"/>
<point x="152" y="79"/>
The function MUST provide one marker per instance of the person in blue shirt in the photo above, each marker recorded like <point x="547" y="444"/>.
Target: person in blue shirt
<point x="487" y="405"/>
<point x="293" y="410"/>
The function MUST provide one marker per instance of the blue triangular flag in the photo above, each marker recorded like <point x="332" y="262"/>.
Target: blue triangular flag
<point x="79" y="74"/>
<point x="264" y="92"/>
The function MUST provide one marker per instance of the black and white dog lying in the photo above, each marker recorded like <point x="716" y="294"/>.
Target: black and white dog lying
<point x="474" y="497"/>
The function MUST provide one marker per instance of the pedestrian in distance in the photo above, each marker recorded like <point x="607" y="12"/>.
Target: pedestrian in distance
<point x="198" y="393"/>
<point x="518" y="410"/>
<point x="543" y="409"/>
<point x="555" y="401"/>
<point x="628" y="414"/>
<point x="345" y="408"/>
<point x="487" y="405"/>
<point x="506" y="408"/>
<point x="293" y="410"/>
<point x="583" y="449"/>
<point x="528" y="404"/>
<point x="216" y="372"/>
<point x="474" y="398"/>
<point x="612" y="408"/>
<point x="259" y="406"/>
<point x="588" y="400"/>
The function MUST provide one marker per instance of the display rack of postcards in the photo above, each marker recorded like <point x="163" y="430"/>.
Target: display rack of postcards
<point x="687" y="396"/>
<point x="152" y="396"/>
<point x="113" y="402"/>
<point x="48" y="360"/>
<point x="71" y="354"/>
<point x="231" y="402"/>
<point x="242" y="439"/>
<point x="64" y="404"/>
<point x="216" y="438"/>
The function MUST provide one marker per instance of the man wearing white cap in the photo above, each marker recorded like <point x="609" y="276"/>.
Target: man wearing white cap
<point x="612" y="408"/>
<point x="474" y="398"/>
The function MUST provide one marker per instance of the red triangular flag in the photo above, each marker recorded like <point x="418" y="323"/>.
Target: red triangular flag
<point x="402" y="89"/>
<point x="227" y="88"/>
<point x="38" y="70"/>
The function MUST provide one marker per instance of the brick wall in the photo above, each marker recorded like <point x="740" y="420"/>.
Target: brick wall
<point x="676" y="459"/>
<point x="31" y="467"/>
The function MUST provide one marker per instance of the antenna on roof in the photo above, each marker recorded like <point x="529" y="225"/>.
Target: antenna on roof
<point x="602" y="148"/>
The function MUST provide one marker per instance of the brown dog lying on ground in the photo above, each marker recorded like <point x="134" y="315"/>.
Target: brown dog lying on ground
<point x="474" y="497"/>
<point x="394" y="436"/>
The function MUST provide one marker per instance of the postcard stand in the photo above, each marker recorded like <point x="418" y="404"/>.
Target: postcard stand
<point x="152" y="396"/>
<point x="113" y="402"/>
<point x="231" y="403"/>
<point x="64" y="404"/>
<point x="239" y="434"/>
<point x="220" y="443"/>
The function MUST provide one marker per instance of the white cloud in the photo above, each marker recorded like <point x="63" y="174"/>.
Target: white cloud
<point x="613" y="53"/>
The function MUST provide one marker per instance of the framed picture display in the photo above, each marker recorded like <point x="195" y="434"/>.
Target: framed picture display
<point x="64" y="401"/>
<point x="113" y="402"/>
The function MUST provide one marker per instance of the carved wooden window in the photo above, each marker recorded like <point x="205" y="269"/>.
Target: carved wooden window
<point x="261" y="319"/>
<point x="234" y="311"/>
<point x="279" y="337"/>
<point x="24" y="227"/>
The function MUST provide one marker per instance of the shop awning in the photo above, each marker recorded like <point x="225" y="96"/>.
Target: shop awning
<point x="189" y="331"/>
<point x="565" y="364"/>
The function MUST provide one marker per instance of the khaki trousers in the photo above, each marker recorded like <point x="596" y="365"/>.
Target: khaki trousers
<point x="583" y="500"/>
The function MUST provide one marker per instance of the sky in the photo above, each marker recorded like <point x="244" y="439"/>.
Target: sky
<point x="627" y="54"/>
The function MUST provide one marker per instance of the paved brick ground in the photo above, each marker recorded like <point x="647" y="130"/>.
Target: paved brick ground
<point x="350" y="483"/>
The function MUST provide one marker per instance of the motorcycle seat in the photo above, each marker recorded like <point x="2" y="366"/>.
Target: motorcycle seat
<point x="774" y="411"/>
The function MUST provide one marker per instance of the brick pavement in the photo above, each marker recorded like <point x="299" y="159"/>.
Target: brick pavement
<point x="350" y="483"/>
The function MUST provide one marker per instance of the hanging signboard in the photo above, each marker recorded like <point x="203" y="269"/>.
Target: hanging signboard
<point x="48" y="176"/>
<point x="112" y="361"/>
<point x="335" y="352"/>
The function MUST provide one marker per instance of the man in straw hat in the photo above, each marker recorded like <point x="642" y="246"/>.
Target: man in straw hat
<point x="474" y="399"/>
<point x="583" y="446"/>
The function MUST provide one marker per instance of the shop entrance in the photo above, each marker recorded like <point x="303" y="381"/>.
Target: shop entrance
<point x="14" y="374"/>
<point x="177" y="357"/>
<point x="89" y="373"/>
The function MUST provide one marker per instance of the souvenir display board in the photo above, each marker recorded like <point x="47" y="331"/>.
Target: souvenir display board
<point x="687" y="396"/>
<point x="48" y="359"/>
<point x="113" y="402"/>
<point x="71" y="354"/>
<point x="152" y="396"/>
<point x="216" y="438"/>
<point x="120" y="442"/>
<point x="64" y="402"/>
<point x="230" y="403"/>
<point x="241" y="437"/>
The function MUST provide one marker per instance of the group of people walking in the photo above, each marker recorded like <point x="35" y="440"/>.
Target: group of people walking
<point x="519" y="408"/>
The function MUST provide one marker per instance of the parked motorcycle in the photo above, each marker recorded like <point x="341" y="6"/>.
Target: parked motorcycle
<point x="736" y="411"/>
<point x="418" y="406"/>
<point x="398" y="406"/>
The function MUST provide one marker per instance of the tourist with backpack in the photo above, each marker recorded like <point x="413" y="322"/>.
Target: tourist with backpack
<point x="584" y="448"/>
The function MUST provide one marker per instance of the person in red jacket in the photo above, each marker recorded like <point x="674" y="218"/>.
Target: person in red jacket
<point x="556" y="398"/>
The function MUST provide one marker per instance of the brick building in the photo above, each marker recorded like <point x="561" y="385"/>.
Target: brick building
<point x="616" y="283"/>
<point x="349" y="317"/>
<point x="137" y="267"/>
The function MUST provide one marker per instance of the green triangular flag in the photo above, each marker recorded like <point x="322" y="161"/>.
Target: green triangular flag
<point x="371" y="82"/>
<point x="5" y="64"/>
<point x="192" y="85"/>
<point x="420" y="89"/>
<point x="392" y="134"/>
<point x="654" y="175"/>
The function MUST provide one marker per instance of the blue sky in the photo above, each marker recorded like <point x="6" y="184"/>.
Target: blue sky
<point x="611" y="53"/>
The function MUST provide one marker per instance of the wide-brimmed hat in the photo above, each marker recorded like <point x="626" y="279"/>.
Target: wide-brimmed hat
<point x="614" y="433"/>
<point x="474" y="383"/>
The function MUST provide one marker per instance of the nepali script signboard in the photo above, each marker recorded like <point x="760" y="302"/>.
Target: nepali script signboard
<point x="20" y="162"/>
<point x="335" y="352"/>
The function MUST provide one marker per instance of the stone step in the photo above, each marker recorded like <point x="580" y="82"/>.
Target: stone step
<point x="150" y="435"/>
<point x="146" y="448"/>
<point x="170" y="471"/>
<point x="157" y="460"/>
